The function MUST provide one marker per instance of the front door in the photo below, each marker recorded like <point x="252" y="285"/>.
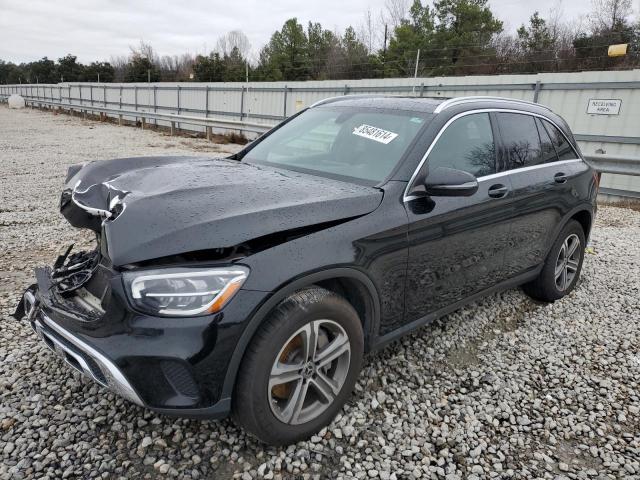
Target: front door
<point x="457" y="244"/>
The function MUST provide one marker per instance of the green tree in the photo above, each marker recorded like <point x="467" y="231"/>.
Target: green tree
<point x="538" y="46"/>
<point x="43" y="71"/>
<point x="234" y="66"/>
<point x="464" y="33"/>
<point x="285" y="57"/>
<point x="102" y="70"/>
<point x="141" y="69"/>
<point x="69" y="70"/>
<point x="323" y="49"/>
<point x="413" y="34"/>
<point x="209" y="69"/>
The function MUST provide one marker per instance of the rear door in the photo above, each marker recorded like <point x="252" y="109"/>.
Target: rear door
<point x="540" y="165"/>
<point x="456" y="244"/>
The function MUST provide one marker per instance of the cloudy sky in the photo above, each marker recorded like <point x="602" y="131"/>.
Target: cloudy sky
<point x="99" y="29"/>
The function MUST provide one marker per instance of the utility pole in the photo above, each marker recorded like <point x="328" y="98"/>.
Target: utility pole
<point x="415" y="72"/>
<point x="98" y="77"/>
<point x="247" y="72"/>
<point x="384" y="50"/>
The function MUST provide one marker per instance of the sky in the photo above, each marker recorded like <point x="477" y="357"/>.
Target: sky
<point x="99" y="29"/>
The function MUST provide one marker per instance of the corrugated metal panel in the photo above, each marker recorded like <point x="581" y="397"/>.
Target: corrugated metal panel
<point x="566" y="93"/>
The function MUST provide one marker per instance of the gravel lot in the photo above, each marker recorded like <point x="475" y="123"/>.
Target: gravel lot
<point x="506" y="388"/>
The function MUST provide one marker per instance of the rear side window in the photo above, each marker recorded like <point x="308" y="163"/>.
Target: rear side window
<point x="548" y="150"/>
<point x="467" y="144"/>
<point x="521" y="139"/>
<point x="563" y="148"/>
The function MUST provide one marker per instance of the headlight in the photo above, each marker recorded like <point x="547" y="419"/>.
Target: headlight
<point x="184" y="292"/>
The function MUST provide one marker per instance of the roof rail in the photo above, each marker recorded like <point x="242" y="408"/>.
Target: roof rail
<point x="324" y="101"/>
<point x="460" y="100"/>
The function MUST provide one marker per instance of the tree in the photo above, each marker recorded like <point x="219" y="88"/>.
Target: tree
<point x="233" y="40"/>
<point x="285" y="57"/>
<point x="537" y="45"/>
<point x="209" y="68"/>
<point x="140" y="69"/>
<point x="43" y="71"/>
<point x="464" y="33"/>
<point x="413" y="34"/>
<point x="69" y="70"/>
<point x="103" y="71"/>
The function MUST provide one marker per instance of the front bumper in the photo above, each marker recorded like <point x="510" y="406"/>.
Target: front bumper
<point x="77" y="353"/>
<point x="174" y="366"/>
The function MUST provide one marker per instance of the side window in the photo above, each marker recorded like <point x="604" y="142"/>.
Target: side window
<point x="548" y="150"/>
<point x="467" y="144"/>
<point x="563" y="148"/>
<point x="521" y="140"/>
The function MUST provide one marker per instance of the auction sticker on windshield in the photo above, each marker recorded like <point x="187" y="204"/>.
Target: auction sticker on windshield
<point x="374" y="133"/>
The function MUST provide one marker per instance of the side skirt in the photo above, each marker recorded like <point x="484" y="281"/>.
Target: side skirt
<point x="381" y="341"/>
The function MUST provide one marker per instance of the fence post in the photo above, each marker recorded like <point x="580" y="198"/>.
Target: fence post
<point x="120" y="101"/>
<point x="346" y="90"/>
<point x="91" y="93"/>
<point x="178" y="97"/>
<point x="242" y="102"/>
<point x="421" y="89"/>
<point x="104" y="95"/>
<point x="80" y="93"/>
<point x="135" y="98"/>
<point x="155" y="103"/>
<point x="206" y="102"/>
<point x="284" y="110"/>
<point x="536" y="91"/>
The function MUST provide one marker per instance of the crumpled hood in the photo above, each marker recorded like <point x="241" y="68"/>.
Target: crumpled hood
<point x="152" y="207"/>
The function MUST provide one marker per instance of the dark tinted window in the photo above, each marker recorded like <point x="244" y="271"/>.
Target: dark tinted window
<point x="563" y="148"/>
<point x="521" y="139"/>
<point x="466" y="144"/>
<point x="548" y="150"/>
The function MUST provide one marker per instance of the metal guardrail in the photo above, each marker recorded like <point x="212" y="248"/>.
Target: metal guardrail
<point x="615" y="164"/>
<point x="173" y="119"/>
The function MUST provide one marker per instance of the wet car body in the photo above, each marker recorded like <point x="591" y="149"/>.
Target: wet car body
<point x="401" y="258"/>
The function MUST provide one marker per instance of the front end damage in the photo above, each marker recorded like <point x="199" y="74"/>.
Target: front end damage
<point x="156" y="215"/>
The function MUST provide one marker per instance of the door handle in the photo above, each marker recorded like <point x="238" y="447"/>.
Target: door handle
<point x="560" y="177"/>
<point x="498" y="190"/>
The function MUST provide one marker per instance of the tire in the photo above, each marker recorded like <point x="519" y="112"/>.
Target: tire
<point x="264" y="403"/>
<point x="548" y="287"/>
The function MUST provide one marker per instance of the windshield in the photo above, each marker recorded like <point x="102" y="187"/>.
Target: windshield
<point x="341" y="141"/>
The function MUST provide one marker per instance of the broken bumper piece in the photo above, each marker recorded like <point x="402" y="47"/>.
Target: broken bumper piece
<point x="75" y="352"/>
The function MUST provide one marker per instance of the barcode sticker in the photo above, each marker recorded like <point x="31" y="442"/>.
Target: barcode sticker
<point x="374" y="133"/>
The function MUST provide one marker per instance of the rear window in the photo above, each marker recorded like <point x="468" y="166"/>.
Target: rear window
<point x="563" y="148"/>
<point x="341" y="141"/>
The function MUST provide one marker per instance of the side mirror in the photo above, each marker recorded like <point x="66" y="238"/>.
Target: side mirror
<point x="449" y="182"/>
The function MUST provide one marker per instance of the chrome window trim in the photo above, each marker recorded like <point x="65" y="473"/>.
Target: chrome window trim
<point x="407" y="197"/>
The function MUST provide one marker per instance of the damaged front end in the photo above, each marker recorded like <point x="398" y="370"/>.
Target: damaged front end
<point x="92" y="206"/>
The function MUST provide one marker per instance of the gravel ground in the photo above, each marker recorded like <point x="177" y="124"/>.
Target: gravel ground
<point x="505" y="388"/>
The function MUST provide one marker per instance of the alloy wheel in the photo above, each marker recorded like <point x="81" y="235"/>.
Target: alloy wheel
<point x="309" y="372"/>
<point x="567" y="262"/>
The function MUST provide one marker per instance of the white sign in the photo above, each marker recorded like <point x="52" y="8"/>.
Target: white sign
<point x="374" y="133"/>
<point x="604" y="106"/>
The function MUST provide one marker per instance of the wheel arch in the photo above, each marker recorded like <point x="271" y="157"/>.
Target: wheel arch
<point x="354" y="285"/>
<point x="583" y="214"/>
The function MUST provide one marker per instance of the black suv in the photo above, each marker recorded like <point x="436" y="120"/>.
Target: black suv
<point x="254" y="284"/>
